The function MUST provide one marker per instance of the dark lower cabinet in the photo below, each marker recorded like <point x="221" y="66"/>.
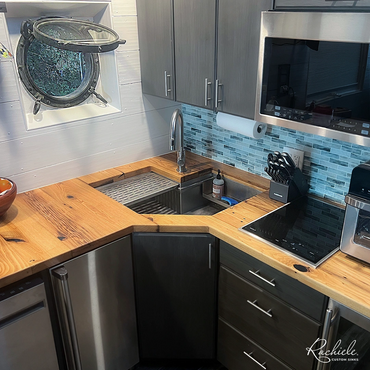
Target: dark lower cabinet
<point x="176" y="295"/>
<point x="266" y="318"/>
<point x="276" y="326"/>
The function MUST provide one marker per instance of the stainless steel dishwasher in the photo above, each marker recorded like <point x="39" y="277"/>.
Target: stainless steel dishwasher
<point x="96" y="307"/>
<point x="26" y="338"/>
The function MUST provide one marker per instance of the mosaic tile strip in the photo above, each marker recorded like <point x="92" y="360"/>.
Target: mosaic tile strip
<point x="328" y="163"/>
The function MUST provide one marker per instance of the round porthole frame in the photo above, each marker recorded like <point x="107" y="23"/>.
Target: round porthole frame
<point x="90" y="80"/>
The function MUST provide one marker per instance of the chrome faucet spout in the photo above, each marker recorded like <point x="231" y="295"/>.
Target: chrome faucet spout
<point x="178" y="121"/>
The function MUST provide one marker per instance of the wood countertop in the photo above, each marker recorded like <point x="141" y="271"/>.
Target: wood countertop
<point x="52" y="224"/>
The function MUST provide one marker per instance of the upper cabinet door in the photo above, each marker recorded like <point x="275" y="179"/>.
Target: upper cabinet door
<point x="195" y="30"/>
<point x="155" y="26"/>
<point x="238" y="47"/>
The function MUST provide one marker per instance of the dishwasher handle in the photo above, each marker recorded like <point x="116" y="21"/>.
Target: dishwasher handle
<point x="64" y="306"/>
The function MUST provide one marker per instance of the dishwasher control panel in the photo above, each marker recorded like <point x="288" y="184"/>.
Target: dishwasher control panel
<point x="16" y="288"/>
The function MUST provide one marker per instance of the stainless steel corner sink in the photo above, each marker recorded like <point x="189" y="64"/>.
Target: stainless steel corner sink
<point x="151" y="193"/>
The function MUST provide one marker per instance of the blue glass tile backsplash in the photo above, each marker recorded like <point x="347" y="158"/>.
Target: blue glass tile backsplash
<point x="328" y="163"/>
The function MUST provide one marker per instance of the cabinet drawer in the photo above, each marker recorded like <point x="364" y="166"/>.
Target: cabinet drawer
<point x="302" y="297"/>
<point x="277" y="327"/>
<point x="234" y="348"/>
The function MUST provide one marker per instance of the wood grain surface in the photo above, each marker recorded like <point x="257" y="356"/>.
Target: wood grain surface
<point x="50" y="225"/>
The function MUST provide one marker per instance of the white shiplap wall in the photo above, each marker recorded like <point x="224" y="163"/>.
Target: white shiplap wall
<point x="44" y="156"/>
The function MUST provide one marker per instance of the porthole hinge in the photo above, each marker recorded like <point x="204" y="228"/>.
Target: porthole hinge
<point x="27" y="29"/>
<point x="99" y="97"/>
<point x="37" y="106"/>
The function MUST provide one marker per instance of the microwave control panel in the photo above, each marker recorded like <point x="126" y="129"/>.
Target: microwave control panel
<point x="348" y="125"/>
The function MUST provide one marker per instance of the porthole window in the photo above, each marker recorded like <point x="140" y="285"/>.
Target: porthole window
<point x="57" y="59"/>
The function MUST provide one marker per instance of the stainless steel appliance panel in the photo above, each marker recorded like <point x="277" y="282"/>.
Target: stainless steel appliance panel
<point x="102" y="300"/>
<point x="26" y="338"/>
<point x="355" y="239"/>
<point x="346" y="338"/>
<point x="320" y="4"/>
<point x="313" y="26"/>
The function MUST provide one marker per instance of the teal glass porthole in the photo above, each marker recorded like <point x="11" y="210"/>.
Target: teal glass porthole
<point x="57" y="60"/>
<point x="57" y="72"/>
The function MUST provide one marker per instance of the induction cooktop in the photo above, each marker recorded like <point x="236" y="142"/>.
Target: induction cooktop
<point x="307" y="228"/>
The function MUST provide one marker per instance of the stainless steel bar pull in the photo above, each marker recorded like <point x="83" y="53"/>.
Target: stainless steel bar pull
<point x="167" y="77"/>
<point x="256" y="274"/>
<point x="254" y="304"/>
<point x="217" y="100"/>
<point x="206" y="98"/>
<point x="253" y="359"/>
<point x="210" y="256"/>
<point x="67" y="319"/>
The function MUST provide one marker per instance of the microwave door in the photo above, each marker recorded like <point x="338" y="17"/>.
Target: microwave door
<point x="314" y="75"/>
<point x="355" y="239"/>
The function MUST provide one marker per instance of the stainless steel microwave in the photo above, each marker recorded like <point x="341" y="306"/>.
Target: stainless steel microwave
<point x="314" y="73"/>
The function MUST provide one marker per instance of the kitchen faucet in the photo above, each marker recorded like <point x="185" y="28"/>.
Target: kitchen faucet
<point x="177" y="118"/>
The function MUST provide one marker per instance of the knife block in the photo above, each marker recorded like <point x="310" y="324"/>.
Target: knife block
<point x="285" y="193"/>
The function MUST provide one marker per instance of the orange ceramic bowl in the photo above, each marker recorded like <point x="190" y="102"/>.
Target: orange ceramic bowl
<point x="7" y="197"/>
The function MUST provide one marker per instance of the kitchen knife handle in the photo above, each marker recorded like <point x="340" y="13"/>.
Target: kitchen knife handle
<point x="288" y="159"/>
<point x="65" y="311"/>
<point x="277" y="154"/>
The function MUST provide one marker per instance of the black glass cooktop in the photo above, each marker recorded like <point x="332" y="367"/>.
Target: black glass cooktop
<point x="307" y="228"/>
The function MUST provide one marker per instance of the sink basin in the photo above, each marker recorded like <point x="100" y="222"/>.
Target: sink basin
<point x="151" y="193"/>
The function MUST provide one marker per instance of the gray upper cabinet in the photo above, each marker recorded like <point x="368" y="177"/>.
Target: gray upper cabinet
<point x="155" y="28"/>
<point x="215" y="42"/>
<point x="195" y="42"/>
<point x="237" y="56"/>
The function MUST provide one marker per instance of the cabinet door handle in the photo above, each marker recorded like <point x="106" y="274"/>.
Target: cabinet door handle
<point x="206" y="98"/>
<point x="166" y="80"/>
<point x="253" y="359"/>
<point x="210" y="256"/>
<point x="268" y="312"/>
<point x="271" y="282"/>
<point x="218" y="85"/>
<point x="66" y="317"/>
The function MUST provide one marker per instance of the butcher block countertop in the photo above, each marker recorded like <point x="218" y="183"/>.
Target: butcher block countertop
<point x="52" y="224"/>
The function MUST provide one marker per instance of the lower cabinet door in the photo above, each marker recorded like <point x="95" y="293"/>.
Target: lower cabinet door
<point x="237" y="352"/>
<point x="175" y="284"/>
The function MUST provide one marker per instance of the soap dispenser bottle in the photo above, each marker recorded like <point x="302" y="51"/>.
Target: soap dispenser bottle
<point x="218" y="186"/>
